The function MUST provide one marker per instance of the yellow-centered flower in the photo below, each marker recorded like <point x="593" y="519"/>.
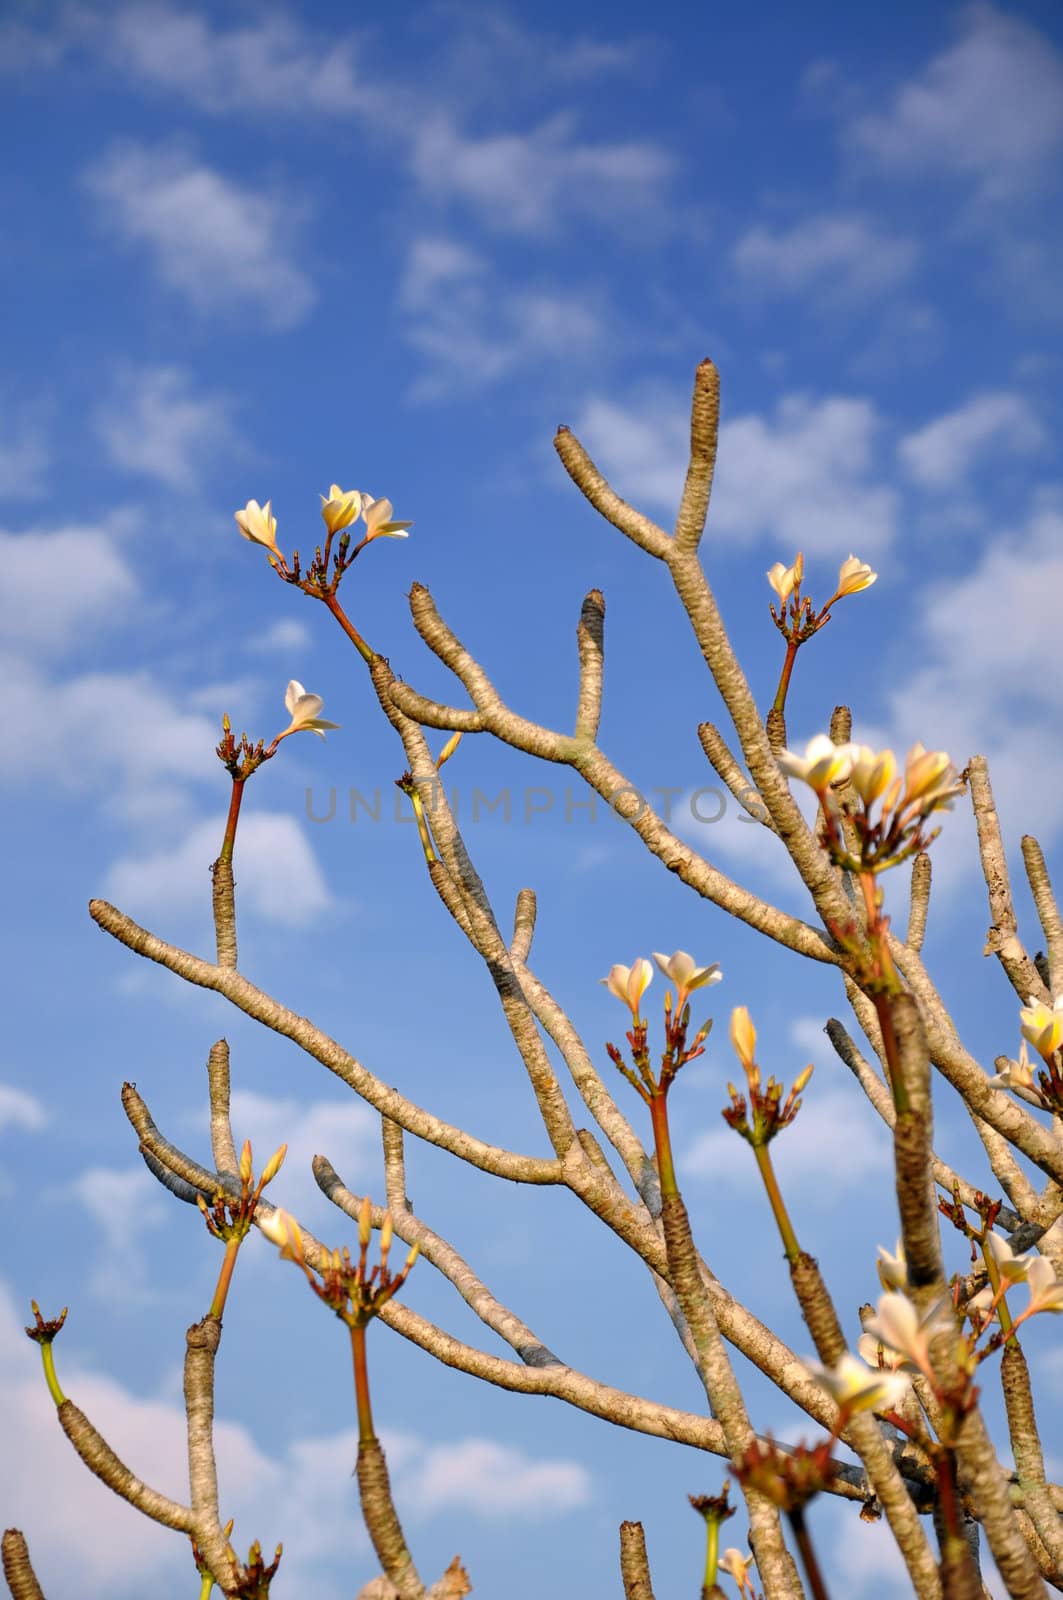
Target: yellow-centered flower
<point x="822" y="764"/>
<point x="341" y="508"/>
<point x="303" y="709"/>
<point x="853" y="575"/>
<point x="258" y="524"/>
<point x="687" y="976"/>
<point x="377" y="514"/>
<point x="872" y="772"/>
<point x="784" y="580"/>
<point x="1043" y="1025"/>
<point x="858" y="1386"/>
<point x="629" y="984"/>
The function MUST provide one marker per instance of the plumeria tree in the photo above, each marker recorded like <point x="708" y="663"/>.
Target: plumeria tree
<point x="901" y="1386"/>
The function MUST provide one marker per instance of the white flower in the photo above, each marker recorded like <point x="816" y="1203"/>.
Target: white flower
<point x="341" y="508"/>
<point x="629" y="984"/>
<point x="1011" y="1267"/>
<point x="898" y="1325"/>
<point x="853" y="575"/>
<point x="258" y="524"/>
<point x="303" y="709"/>
<point x="736" y="1566"/>
<point x="1043" y="1025"/>
<point x="784" y="580"/>
<point x="743" y="1037"/>
<point x="877" y="1355"/>
<point x="858" y="1386"/>
<point x="1046" y="1291"/>
<point x="929" y="779"/>
<point x="281" y="1229"/>
<point x="686" y="974"/>
<point x="872" y="771"/>
<point x="1017" y="1074"/>
<point x="822" y="763"/>
<point x="892" y="1270"/>
<point x="377" y="514"/>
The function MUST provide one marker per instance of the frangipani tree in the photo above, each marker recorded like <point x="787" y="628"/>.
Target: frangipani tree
<point x="903" y="1395"/>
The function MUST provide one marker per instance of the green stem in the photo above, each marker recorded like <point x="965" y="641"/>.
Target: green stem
<point x="48" y="1363"/>
<point x="1007" y="1326"/>
<point x="779" y="703"/>
<point x="361" y="1386"/>
<point x="808" y="1555"/>
<point x="225" y="1277"/>
<point x="778" y="1205"/>
<point x="206" y="1586"/>
<point x="712" y="1551"/>
<point x="663" y="1141"/>
<point x="349" y="628"/>
<point x="226" y="853"/>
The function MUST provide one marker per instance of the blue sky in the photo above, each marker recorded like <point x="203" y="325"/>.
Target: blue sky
<point x="250" y="251"/>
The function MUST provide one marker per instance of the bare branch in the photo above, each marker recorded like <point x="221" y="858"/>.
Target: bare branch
<point x="1047" y="910"/>
<point x="704" y="435"/>
<point x="246" y="997"/>
<point x="634" y="1564"/>
<point x="590" y="483"/>
<point x="523" y="927"/>
<point x="221" y="1132"/>
<point x="1002" y="940"/>
<point x="590" y="639"/>
<point x="730" y="773"/>
<point x="100" y="1459"/>
<point x="919" y="901"/>
<point x="18" y="1568"/>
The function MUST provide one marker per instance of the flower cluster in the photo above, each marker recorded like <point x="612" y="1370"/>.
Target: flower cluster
<point x="929" y="783"/>
<point x="356" y="1293"/>
<point x="1041" y="1026"/>
<point x="767" y="1113"/>
<point x="340" y="509"/>
<point x="629" y="984"/>
<point x="853" y="575"/>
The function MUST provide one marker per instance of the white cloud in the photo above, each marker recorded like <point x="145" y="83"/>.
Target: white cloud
<point x="524" y="182"/>
<point x="941" y="454"/>
<point x="990" y="107"/>
<point x="218" y="243"/>
<point x="125" y="737"/>
<point x="279" y="877"/>
<point x="473" y="327"/>
<point x="155" y="424"/>
<point x="494" y="1480"/>
<point x="990" y="635"/>
<point x="20" y="1109"/>
<point x="286" y="634"/>
<point x="269" y="66"/>
<point x="123" y="1204"/>
<point x="846" y="256"/>
<point x="811" y="1152"/>
<point x="58" y="585"/>
<point x="803" y="479"/>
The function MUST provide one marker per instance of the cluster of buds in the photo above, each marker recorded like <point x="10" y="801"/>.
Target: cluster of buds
<point x="340" y="509"/>
<point x="241" y="758"/>
<point x="1041" y="1027"/>
<point x="767" y="1113"/>
<point x="795" y="618"/>
<point x="895" y="830"/>
<point x="228" y="1218"/>
<point x="788" y="1478"/>
<point x="254" y="1577"/>
<point x="356" y="1293"/>
<point x="629" y="984"/>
